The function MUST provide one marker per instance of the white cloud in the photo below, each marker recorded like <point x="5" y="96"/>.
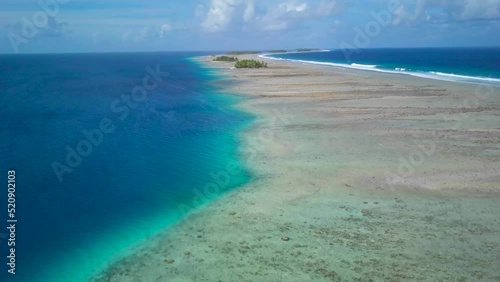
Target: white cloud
<point x="220" y="14"/>
<point x="283" y="16"/>
<point x="293" y="7"/>
<point x="327" y="8"/>
<point x="147" y="33"/>
<point x="126" y="35"/>
<point x="425" y="11"/>
<point x="484" y="9"/>
<point x="165" y="28"/>
<point x="249" y="11"/>
<point x="264" y="15"/>
<point x="335" y="26"/>
<point x="276" y="26"/>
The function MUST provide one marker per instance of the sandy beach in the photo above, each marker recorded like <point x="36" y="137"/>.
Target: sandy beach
<point x="358" y="176"/>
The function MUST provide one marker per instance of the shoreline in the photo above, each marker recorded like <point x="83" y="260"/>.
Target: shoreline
<point x="433" y="75"/>
<point x="321" y="207"/>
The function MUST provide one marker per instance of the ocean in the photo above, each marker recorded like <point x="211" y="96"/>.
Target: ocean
<point x="108" y="150"/>
<point x="472" y="65"/>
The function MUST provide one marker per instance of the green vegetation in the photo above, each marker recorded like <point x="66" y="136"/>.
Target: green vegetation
<point x="242" y="52"/>
<point x="253" y="64"/>
<point x="277" y="51"/>
<point x="226" y="59"/>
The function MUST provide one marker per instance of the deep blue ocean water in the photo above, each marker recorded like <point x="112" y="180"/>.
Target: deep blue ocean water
<point x="475" y="65"/>
<point x="165" y="145"/>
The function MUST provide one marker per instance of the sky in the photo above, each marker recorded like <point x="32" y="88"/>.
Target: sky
<point x="59" y="26"/>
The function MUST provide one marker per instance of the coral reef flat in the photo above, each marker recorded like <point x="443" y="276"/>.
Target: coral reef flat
<point x="358" y="176"/>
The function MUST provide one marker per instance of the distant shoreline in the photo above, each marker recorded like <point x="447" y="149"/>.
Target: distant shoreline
<point x="436" y="75"/>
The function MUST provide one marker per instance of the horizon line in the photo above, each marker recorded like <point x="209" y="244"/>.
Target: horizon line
<point x="241" y="50"/>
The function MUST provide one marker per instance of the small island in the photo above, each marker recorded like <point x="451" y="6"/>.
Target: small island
<point x="277" y="51"/>
<point x="252" y="64"/>
<point x="225" y="59"/>
<point x="243" y="52"/>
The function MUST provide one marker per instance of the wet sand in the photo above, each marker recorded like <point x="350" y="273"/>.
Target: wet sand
<point x="359" y="176"/>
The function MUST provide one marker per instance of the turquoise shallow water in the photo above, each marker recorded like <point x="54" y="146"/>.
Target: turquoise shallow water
<point x="172" y="147"/>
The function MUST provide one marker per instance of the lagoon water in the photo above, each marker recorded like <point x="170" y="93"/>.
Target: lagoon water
<point x="159" y="158"/>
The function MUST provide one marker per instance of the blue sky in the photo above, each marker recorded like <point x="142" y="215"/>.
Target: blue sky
<point x="28" y="26"/>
